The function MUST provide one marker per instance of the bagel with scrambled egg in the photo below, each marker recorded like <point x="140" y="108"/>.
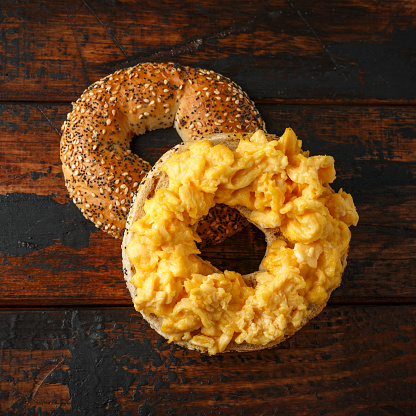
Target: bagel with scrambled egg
<point x="102" y="174"/>
<point x="280" y="189"/>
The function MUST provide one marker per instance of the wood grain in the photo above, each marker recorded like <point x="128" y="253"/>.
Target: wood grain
<point x="342" y="74"/>
<point x="372" y="146"/>
<point x="110" y="362"/>
<point x="378" y="268"/>
<point x="48" y="245"/>
<point x="282" y="50"/>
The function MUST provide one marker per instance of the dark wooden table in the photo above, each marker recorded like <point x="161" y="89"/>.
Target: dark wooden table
<point x="342" y="74"/>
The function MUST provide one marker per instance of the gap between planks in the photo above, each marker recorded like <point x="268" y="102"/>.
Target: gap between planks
<point x="258" y="101"/>
<point x="333" y="303"/>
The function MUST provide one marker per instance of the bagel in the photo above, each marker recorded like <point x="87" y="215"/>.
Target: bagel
<point x="277" y="187"/>
<point x="101" y="173"/>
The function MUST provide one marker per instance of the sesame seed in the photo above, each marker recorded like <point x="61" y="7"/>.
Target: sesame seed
<point x="108" y="122"/>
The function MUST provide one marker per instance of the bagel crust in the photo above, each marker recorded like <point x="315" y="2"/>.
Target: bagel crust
<point x="101" y="173"/>
<point x="277" y="187"/>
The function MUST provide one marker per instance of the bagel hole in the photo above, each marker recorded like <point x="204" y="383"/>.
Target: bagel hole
<point x="151" y="145"/>
<point x="242" y="252"/>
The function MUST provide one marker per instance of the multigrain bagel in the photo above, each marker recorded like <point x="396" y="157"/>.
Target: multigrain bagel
<point x="101" y="173"/>
<point x="297" y="260"/>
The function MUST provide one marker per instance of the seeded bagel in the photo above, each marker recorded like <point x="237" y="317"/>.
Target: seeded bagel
<point x="102" y="174"/>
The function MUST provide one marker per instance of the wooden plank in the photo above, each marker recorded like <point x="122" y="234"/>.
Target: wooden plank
<point x="365" y="141"/>
<point x="109" y="361"/>
<point x="78" y="273"/>
<point x="285" y="50"/>
<point x="60" y="254"/>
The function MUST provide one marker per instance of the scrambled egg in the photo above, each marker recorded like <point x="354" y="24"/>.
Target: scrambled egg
<point x="283" y="187"/>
